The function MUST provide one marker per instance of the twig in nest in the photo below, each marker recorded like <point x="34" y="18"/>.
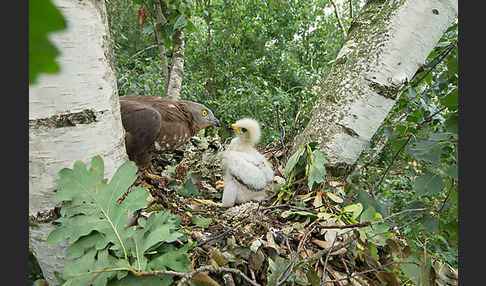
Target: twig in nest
<point x="323" y="252"/>
<point x="353" y="276"/>
<point x="346" y="268"/>
<point x="189" y="275"/>
<point x="287" y="272"/>
<point x="370" y="223"/>
<point x="325" y="262"/>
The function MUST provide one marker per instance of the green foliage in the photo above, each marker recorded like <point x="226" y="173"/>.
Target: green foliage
<point x="412" y="270"/>
<point x="307" y="161"/>
<point x="428" y="184"/>
<point x="378" y="233"/>
<point x="34" y="272"/>
<point x="293" y="160"/>
<point x="201" y="221"/>
<point x="103" y="251"/>
<point x="316" y="169"/>
<point x="44" y="18"/>
<point x="189" y="188"/>
<point x="276" y="268"/>
<point x="312" y="277"/>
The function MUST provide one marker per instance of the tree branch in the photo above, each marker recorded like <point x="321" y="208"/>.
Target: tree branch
<point x="402" y="147"/>
<point x="336" y="11"/>
<point x="189" y="275"/>
<point x="323" y="252"/>
<point x="325" y="262"/>
<point x="286" y="273"/>
<point x="438" y="60"/>
<point x="351" y="9"/>
<point x="372" y="270"/>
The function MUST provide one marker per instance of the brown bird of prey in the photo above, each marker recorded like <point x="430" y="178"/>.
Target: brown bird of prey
<point x="247" y="173"/>
<point x="155" y="124"/>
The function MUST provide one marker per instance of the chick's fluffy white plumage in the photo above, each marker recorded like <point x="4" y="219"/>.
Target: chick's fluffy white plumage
<point x="247" y="173"/>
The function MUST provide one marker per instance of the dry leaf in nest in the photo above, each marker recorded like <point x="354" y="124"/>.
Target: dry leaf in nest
<point x="219" y="185"/>
<point x="335" y="183"/>
<point x="203" y="279"/>
<point x="388" y="278"/>
<point x="445" y="274"/>
<point x="326" y="245"/>
<point x="218" y="258"/>
<point x="150" y="198"/>
<point x="205" y="185"/>
<point x="281" y="170"/>
<point x="207" y="202"/>
<point x="181" y="171"/>
<point x="256" y="260"/>
<point x="270" y="242"/>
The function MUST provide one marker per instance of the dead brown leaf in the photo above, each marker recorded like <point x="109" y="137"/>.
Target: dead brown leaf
<point x="326" y="244"/>
<point x="219" y="185"/>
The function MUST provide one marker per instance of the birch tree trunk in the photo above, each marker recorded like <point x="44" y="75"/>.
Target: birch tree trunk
<point x="177" y="70"/>
<point x="73" y="115"/>
<point x="159" y="15"/>
<point x="386" y="45"/>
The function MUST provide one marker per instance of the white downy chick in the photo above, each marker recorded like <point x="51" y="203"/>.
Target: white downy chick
<point x="247" y="173"/>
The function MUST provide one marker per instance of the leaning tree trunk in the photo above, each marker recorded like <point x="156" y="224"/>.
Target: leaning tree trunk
<point x="386" y="45"/>
<point x="73" y="115"/>
<point x="177" y="70"/>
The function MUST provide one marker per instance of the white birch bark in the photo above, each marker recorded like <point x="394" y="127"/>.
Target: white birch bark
<point x="161" y="45"/>
<point x="177" y="70"/>
<point x="386" y="45"/>
<point x="84" y="92"/>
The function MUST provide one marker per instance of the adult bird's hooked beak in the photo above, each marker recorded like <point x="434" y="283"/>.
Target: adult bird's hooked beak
<point x="216" y="122"/>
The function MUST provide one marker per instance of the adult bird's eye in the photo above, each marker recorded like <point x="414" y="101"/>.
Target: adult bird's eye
<point x="204" y="112"/>
<point x="243" y="129"/>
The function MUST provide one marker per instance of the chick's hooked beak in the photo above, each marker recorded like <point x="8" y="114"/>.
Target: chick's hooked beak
<point x="235" y="128"/>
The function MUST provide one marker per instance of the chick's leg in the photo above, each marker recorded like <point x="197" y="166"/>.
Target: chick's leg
<point x="230" y="192"/>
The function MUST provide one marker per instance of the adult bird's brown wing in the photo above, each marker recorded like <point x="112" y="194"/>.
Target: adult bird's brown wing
<point x="176" y="126"/>
<point x="142" y="125"/>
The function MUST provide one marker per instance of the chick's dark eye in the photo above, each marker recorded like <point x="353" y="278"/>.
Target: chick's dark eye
<point x="243" y="129"/>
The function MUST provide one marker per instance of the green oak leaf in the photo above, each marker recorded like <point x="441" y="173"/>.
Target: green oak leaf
<point x="317" y="169"/>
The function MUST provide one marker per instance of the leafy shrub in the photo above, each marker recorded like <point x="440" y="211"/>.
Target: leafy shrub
<point x="102" y="250"/>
